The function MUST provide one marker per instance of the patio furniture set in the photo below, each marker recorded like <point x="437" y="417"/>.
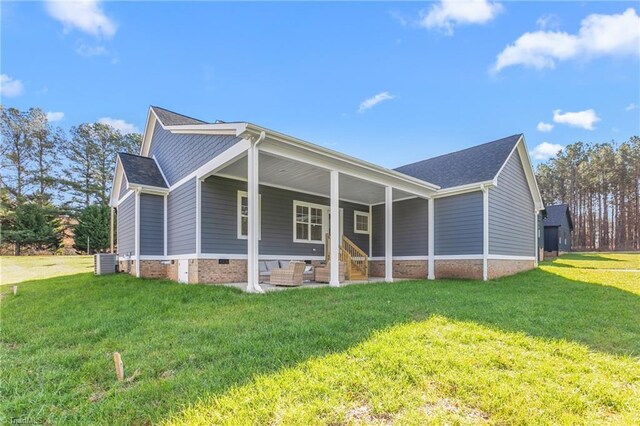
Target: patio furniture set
<point x="294" y="273"/>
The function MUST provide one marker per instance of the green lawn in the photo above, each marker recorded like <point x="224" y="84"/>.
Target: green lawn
<point x="556" y="345"/>
<point x="24" y="268"/>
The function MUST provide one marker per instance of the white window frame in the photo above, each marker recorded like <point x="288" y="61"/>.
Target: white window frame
<point x="297" y="204"/>
<point x="239" y="215"/>
<point x="357" y="213"/>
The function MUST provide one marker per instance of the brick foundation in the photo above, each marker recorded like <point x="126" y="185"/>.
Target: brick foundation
<point x="401" y="268"/>
<point x="153" y="269"/>
<point x="459" y="268"/>
<point x="502" y="268"/>
<point x="210" y="271"/>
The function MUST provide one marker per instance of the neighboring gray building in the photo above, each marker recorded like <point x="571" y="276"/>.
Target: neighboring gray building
<point x="558" y="227"/>
<point x="206" y="202"/>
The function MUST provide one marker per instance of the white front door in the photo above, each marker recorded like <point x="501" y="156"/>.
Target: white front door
<point x="183" y="271"/>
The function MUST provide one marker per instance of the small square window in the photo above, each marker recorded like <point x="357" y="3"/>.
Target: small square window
<point x="361" y="222"/>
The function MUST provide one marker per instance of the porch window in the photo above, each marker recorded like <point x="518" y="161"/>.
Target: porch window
<point x="361" y="222"/>
<point x="308" y="222"/>
<point x="243" y="216"/>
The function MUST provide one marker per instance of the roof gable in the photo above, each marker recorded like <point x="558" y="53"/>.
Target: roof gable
<point x="479" y="163"/>
<point x="170" y="118"/>
<point x="142" y="171"/>
<point x="557" y="214"/>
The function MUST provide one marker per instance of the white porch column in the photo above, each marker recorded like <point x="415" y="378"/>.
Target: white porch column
<point x="535" y="219"/>
<point x="335" y="229"/>
<point x="137" y="232"/>
<point x="198" y="217"/>
<point x="166" y="221"/>
<point x="253" y="285"/>
<point x="432" y="238"/>
<point x="485" y="233"/>
<point x="388" y="234"/>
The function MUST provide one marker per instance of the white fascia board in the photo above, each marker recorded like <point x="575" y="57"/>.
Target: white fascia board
<point x="121" y="200"/>
<point x="471" y="187"/>
<point x="146" y="189"/>
<point x="148" y="132"/>
<point x="234" y="129"/>
<point x="166" y="181"/>
<point x="346" y="159"/>
<point x="115" y="184"/>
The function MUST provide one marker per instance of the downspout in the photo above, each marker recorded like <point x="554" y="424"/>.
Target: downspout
<point x="252" y="259"/>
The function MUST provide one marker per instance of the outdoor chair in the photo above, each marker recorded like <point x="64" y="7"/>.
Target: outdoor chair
<point x="291" y="276"/>
<point x="323" y="273"/>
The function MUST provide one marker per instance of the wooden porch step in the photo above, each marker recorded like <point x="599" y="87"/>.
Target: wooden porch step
<point x="358" y="276"/>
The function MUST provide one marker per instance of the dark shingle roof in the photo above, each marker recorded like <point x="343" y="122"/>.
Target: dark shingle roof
<point x="476" y="164"/>
<point x="556" y="214"/>
<point x="142" y="170"/>
<point x="170" y="118"/>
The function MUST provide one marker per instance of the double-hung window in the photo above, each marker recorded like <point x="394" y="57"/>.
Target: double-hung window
<point x="243" y="215"/>
<point x="308" y="222"/>
<point x="361" y="222"/>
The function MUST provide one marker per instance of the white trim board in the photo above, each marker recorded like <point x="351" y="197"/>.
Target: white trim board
<point x="210" y="256"/>
<point x="381" y="258"/>
<point x="480" y="257"/>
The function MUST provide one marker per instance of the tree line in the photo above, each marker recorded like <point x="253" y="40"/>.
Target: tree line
<point x="48" y="176"/>
<point x="601" y="184"/>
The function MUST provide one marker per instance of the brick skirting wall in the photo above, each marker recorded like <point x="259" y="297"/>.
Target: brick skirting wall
<point x="459" y="268"/>
<point x="502" y="268"/>
<point x="210" y="271"/>
<point x="401" y="268"/>
<point x="153" y="269"/>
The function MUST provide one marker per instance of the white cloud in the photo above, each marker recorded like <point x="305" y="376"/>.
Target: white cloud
<point x="10" y="87"/>
<point x="599" y="35"/>
<point x="119" y="124"/>
<point x="88" y="51"/>
<point x="548" y="21"/>
<point x="544" y="127"/>
<point x="55" y="116"/>
<point x="84" y="15"/>
<point x="545" y="150"/>
<point x="631" y="107"/>
<point x="448" y="13"/>
<point x="374" y="100"/>
<point x="585" y="119"/>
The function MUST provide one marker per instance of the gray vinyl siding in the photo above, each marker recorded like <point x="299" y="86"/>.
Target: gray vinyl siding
<point x="458" y="224"/>
<point x="410" y="228"/>
<point x="511" y="217"/>
<point x="123" y="187"/>
<point x="181" y="219"/>
<point x="151" y="225"/>
<point x="126" y="226"/>
<point x="220" y="220"/>
<point x="178" y="155"/>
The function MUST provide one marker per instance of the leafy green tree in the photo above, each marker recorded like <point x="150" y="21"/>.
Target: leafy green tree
<point x="93" y="227"/>
<point x="32" y="224"/>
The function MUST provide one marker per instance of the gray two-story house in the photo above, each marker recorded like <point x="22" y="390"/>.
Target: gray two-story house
<point x="208" y="202"/>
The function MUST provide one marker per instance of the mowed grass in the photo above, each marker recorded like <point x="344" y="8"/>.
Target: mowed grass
<point x="558" y="345"/>
<point x="24" y="268"/>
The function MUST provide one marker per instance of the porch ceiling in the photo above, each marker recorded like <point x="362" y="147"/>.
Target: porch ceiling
<point x="304" y="177"/>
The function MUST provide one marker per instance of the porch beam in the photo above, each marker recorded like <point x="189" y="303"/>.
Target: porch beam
<point x="253" y="285"/>
<point x="388" y="234"/>
<point x="335" y="229"/>
<point x="432" y="238"/>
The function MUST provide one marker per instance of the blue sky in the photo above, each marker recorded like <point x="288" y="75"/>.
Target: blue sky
<point x="391" y="83"/>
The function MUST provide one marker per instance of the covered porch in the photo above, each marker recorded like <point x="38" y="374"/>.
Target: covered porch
<point x="300" y="202"/>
